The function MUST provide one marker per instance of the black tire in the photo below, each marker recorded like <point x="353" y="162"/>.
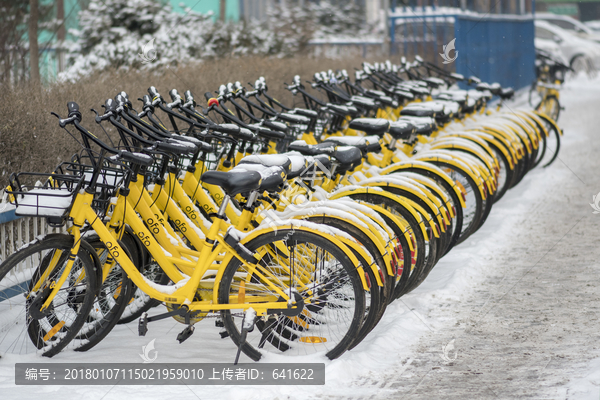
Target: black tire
<point x="141" y="302"/>
<point x="425" y="258"/>
<point x="282" y="335"/>
<point x="458" y="219"/>
<point x="551" y="143"/>
<point x="401" y="252"/>
<point x="378" y="297"/>
<point x="505" y="172"/>
<point x="473" y="215"/>
<point x="24" y="328"/>
<point x="442" y="241"/>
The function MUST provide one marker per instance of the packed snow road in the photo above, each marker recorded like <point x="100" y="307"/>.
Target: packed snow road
<point x="511" y="313"/>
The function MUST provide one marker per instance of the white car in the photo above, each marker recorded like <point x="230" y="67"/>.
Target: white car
<point x="574" y="49"/>
<point x="551" y="47"/>
<point x="593" y="25"/>
<point x="570" y="24"/>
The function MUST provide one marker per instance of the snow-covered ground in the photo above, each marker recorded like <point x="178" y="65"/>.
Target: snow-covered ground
<point x="439" y="341"/>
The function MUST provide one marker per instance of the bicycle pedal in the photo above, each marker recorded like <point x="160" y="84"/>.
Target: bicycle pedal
<point x="143" y="325"/>
<point x="185" y="334"/>
<point x="219" y="323"/>
<point x="224" y="334"/>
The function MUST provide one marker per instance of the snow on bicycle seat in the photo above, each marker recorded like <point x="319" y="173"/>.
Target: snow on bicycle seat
<point x="366" y="144"/>
<point x="294" y="118"/>
<point x="450" y="106"/>
<point x="372" y="126"/>
<point x="481" y="86"/>
<point x="233" y="182"/>
<point x="303" y="164"/>
<point x="459" y="96"/>
<point x="469" y="105"/>
<point x="356" y="141"/>
<point x="475" y="94"/>
<point x="434" y="82"/>
<point x="388" y="101"/>
<point x="403" y="93"/>
<point x="376" y="93"/>
<point x="353" y="111"/>
<point x="269" y="160"/>
<point x="338" y="109"/>
<point x="423" y="125"/>
<point x="274" y="125"/>
<point x="312" y="149"/>
<point x="299" y="164"/>
<point x="506" y="93"/>
<point x="272" y="178"/>
<point x="401" y="130"/>
<point x="415" y="82"/>
<point x="487" y="95"/>
<point x="417" y="90"/>
<point x="418" y="110"/>
<point x="362" y="101"/>
<point x="322" y="162"/>
<point x="347" y="157"/>
<point x="381" y="97"/>
<point x="305" y="112"/>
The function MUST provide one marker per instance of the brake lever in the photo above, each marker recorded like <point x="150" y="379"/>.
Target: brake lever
<point x="63" y="122"/>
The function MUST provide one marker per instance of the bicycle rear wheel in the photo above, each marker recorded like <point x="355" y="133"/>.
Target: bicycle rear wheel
<point x="332" y="315"/>
<point x="116" y="291"/>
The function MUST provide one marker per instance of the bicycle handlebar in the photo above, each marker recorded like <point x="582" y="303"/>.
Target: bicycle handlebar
<point x="175" y="97"/>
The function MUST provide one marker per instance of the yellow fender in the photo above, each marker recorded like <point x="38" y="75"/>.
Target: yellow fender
<point x="380" y="247"/>
<point x="485" y="170"/>
<point x="538" y="121"/>
<point x="439" y="215"/>
<point x="476" y="179"/>
<point x="488" y="138"/>
<point x="523" y="137"/>
<point x="511" y="143"/>
<point x="533" y="136"/>
<point x="477" y="140"/>
<point x="481" y="157"/>
<point x="531" y="120"/>
<point x="432" y="186"/>
<point x="300" y="226"/>
<point x="427" y="167"/>
<point x="346" y="192"/>
<point x="549" y="120"/>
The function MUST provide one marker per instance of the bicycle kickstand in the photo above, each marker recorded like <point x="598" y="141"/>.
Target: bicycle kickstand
<point x="248" y="321"/>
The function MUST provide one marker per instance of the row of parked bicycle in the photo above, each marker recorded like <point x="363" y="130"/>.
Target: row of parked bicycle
<point x="293" y="228"/>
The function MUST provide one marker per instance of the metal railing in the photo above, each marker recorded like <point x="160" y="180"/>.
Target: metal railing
<point x="16" y="232"/>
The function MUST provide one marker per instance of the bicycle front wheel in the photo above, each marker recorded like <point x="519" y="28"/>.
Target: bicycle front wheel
<point x="27" y="278"/>
<point x="310" y="265"/>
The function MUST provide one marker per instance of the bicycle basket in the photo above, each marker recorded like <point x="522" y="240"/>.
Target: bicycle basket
<point x="53" y="198"/>
<point x="108" y="181"/>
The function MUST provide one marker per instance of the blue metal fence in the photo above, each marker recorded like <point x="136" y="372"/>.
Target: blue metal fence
<point x="495" y="48"/>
